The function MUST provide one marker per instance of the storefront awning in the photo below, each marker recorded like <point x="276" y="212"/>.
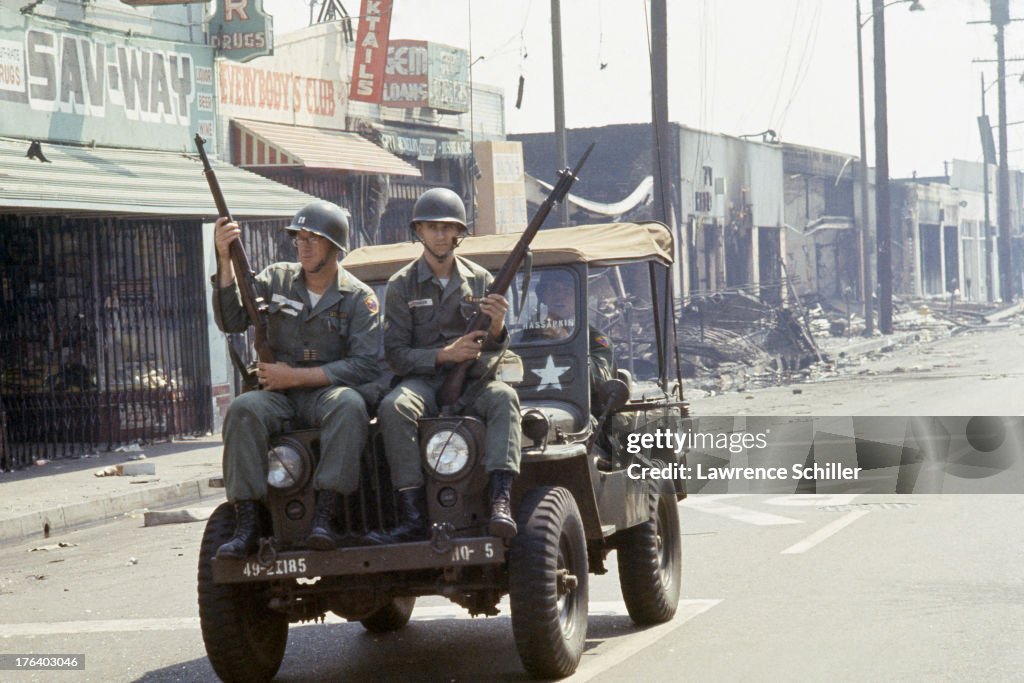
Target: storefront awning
<point x="132" y="182"/>
<point x="276" y="144"/>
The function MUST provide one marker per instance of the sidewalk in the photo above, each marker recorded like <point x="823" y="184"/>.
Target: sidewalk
<point x="61" y="494"/>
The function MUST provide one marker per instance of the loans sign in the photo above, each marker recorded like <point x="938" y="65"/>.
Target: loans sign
<point x="241" y="30"/>
<point x="423" y="74"/>
<point x="371" y="51"/>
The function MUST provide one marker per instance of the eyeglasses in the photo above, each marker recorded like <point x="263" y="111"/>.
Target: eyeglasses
<point x="311" y="241"/>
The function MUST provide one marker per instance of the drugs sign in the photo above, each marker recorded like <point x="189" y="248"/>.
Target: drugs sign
<point x="241" y="30"/>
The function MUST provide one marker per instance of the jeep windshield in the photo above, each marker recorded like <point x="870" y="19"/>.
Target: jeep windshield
<point x="546" y="311"/>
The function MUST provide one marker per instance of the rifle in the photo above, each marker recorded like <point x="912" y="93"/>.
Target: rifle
<point x="255" y="306"/>
<point x="451" y="390"/>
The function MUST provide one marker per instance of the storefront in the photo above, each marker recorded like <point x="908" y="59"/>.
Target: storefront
<point x="104" y="316"/>
<point x="105" y="235"/>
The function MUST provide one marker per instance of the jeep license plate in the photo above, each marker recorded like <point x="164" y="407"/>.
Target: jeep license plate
<point x="463" y="553"/>
<point x="289" y="567"/>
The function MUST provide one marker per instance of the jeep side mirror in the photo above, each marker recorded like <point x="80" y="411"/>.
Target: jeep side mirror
<point x="613" y="395"/>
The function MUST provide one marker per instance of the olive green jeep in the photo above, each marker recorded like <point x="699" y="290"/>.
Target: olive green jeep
<point x="574" y="500"/>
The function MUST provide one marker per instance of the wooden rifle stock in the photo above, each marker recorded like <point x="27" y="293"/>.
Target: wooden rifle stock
<point x="451" y="390"/>
<point x="253" y="303"/>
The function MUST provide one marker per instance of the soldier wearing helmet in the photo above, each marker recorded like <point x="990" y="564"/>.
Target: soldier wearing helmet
<point x="555" y="318"/>
<point x="427" y="307"/>
<point x="323" y="329"/>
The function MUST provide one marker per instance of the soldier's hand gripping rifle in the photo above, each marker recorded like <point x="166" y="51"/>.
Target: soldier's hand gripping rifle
<point x="455" y="381"/>
<point x="255" y="307"/>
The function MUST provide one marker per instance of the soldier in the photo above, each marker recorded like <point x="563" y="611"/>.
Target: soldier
<point x="557" y="293"/>
<point x="427" y="307"/>
<point x="324" y="331"/>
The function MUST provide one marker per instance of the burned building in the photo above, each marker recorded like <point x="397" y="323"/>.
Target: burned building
<point x="726" y="193"/>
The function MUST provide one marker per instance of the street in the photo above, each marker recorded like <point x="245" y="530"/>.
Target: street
<point x="912" y="588"/>
<point x="845" y="587"/>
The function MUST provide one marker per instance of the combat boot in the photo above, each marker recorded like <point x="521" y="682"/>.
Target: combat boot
<point x="412" y="519"/>
<point x="247" y="531"/>
<point x="323" y="535"/>
<point x="499" y="493"/>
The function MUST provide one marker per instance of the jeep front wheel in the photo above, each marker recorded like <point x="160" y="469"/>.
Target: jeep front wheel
<point x="650" y="563"/>
<point x="548" y="583"/>
<point x="245" y="640"/>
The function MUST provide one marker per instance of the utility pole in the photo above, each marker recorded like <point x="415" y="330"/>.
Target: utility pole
<point x="987" y="153"/>
<point x="882" y="214"/>
<point x="1000" y="18"/>
<point x="865" y="218"/>
<point x="659" y="113"/>
<point x="556" y="65"/>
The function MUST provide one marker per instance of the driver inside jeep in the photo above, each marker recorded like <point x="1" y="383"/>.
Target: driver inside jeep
<point x="555" y="318"/>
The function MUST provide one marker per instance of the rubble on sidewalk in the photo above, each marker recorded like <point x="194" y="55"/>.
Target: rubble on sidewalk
<point x="732" y="341"/>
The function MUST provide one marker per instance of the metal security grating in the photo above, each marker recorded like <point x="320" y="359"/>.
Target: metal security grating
<point x="102" y="334"/>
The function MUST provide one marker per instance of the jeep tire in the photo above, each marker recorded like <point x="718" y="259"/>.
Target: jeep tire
<point x="548" y="583"/>
<point x="650" y="563"/>
<point x="391" y="616"/>
<point x="244" y="639"/>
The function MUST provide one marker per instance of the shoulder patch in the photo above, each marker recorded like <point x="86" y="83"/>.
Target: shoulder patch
<point x="602" y="340"/>
<point x="371" y="304"/>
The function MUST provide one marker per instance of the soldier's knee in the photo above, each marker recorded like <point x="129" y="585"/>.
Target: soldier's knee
<point x="387" y="410"/>
<point x="348" y="401"/>
<point x="247" y="406"/>
<point x="503" y="393"/>
<point x="400" y="405"/>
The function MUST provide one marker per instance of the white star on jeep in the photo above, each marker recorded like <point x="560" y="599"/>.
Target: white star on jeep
<point x="549" y="375"/>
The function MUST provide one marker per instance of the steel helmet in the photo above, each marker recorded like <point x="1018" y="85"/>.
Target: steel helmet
<point x="439" y="205"/>
<point x="325" y="219"/>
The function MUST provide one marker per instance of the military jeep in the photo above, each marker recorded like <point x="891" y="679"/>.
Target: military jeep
<point x="574" y="500"/>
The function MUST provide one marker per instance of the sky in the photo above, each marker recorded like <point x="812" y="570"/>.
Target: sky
<point x="737" y="67"/>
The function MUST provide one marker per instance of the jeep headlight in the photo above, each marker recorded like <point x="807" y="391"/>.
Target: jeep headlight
<point x="447" y="453"/>
<point x="285" y="467"/>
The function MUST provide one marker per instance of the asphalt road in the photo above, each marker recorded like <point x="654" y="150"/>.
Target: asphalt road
<point x="815" y="588"/>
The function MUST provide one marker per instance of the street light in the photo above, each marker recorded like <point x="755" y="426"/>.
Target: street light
<point x="882" y="218"/>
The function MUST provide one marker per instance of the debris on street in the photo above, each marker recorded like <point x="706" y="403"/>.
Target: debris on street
<point x="733" y="341"/>
<point x="184" y="516"/>
<point x="53" y="546"/>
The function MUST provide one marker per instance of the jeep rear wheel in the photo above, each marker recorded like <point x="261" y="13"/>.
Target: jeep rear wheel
<point x="244" y="639"/>
<point x="650" y="563"/>
<point x="548" y="583"/>
<point x="391" y="616"/>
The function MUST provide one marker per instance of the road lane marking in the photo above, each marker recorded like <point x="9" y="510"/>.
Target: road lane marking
<point x="46" y="628"/>
<point x="600" y="659"/>
<point x="687" y="608"/>
<point x="824" y="532"/>
<point x="736" y="513"/>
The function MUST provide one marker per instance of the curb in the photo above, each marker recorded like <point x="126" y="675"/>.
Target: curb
<point x="44" y="523"/>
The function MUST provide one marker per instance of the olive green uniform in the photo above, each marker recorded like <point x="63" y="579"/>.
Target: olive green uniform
<point x="602" y="359"/>
<point x="340" y="335"/>
<point x="421" y="317"/>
